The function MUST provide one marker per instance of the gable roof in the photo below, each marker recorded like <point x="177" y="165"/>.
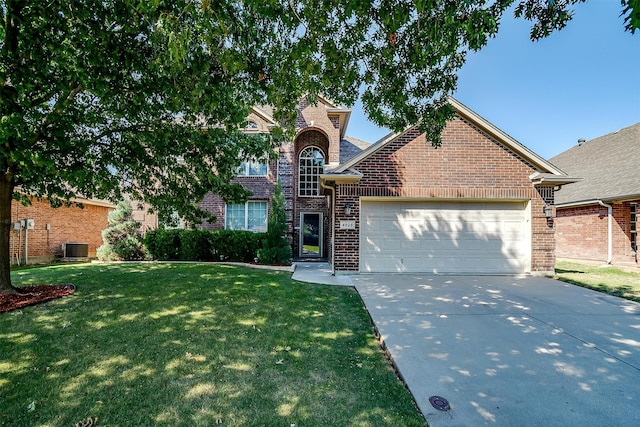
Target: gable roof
<point x="610" y="165"/>
<point x="264" y="111"/>
<point x="267" y="111"/>
<point x="542" y="166"/>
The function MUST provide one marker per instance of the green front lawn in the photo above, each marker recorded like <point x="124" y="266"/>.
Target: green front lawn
<point x="603" y="278"/>
<point x="194" y="345"/>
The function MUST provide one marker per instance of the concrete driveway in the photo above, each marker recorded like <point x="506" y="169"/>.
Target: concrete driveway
<point x="510" y="351"/>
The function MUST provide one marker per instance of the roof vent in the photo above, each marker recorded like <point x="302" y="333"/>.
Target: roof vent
<point x="581" y="141"/>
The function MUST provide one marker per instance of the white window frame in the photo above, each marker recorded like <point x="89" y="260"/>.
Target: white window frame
<point x="310" y="172"/>
<point x="259" y="229"/>
<point x="246" y="166"/>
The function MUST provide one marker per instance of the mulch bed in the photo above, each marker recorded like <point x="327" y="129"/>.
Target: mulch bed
<point x="31" y="295"/>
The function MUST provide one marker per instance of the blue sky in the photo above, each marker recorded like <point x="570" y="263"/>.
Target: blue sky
<point x="581" y="82"/>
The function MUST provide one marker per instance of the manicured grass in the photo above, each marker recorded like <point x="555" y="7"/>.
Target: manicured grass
<point x="194" y="345"/>
<point x="608" y="279"/>
<point x="311" y="249"/>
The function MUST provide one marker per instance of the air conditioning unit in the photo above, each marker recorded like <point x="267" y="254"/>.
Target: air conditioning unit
<point x="76" y="250"/>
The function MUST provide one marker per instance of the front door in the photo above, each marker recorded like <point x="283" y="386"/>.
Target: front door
<point x="311" y="234"/>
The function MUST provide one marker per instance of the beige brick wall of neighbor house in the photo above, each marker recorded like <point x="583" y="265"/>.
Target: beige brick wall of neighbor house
<point x="470" y="165"/>
<point x="66" y="224"/>
<point x="582" y="233"/>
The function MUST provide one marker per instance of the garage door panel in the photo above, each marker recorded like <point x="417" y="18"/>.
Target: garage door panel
<point x="382" y="264"/>
<point x="443" y="237"/>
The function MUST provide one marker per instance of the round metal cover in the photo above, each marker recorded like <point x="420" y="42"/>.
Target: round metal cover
<point x="440" y="403"/>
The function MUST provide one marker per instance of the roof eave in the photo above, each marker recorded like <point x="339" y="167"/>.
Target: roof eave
<point x="267" y="117"/>
<point x="547" y="179"/>
<point x="615" y="199"/>
<point x="341" y="178"/>
<point x="345" y="115"/>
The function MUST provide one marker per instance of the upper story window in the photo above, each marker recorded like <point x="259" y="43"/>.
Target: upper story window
<point x="634" y="227"/>
<point x="251" y="125"/>
<point x="311" y="165"/>
<point x="254" y="168"/>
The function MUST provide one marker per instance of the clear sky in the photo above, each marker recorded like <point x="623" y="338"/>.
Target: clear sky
<point x="580" y="82"/>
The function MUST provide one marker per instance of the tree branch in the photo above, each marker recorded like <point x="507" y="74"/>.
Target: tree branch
<point x="56" y="110"/>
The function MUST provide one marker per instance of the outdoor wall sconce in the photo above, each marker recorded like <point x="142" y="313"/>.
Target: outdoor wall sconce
<point x="548" y="212"/>
<point x="347" y="208"/>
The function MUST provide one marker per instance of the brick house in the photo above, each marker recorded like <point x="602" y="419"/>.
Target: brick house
<point x="596" y="218"/>
<point x="53" y="227"/>
<point x="475" y="205"/>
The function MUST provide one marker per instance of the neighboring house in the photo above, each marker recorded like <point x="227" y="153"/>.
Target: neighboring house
<point x="596" y="218"/>
<point x="41" y="239"/>
<point x="474" y="205"/>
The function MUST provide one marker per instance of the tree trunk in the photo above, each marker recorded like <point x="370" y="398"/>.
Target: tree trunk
<point x="6" y="195"/>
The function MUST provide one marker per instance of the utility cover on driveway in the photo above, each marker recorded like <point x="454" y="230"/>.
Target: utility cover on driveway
<point x="509" y="351"/>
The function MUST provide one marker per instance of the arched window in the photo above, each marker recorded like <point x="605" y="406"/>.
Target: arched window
<point x="310" y="166"/>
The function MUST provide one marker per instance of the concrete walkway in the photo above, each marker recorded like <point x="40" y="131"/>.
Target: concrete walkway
<point x="508" y="351"/>
<point x="318" y="272"/>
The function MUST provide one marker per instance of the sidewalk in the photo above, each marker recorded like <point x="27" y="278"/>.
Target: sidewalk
<point x="318" y="272"/>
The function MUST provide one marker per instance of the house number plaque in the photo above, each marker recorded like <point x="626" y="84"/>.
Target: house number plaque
<point x="347" y="225"/>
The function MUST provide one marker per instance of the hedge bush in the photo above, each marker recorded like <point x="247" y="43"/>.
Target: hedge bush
<point x="203" y="245"/>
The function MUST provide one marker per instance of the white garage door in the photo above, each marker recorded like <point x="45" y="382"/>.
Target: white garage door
<point x="444" y="237"/>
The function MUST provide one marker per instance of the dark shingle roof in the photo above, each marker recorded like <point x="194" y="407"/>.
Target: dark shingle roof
<point x="350" y="146"/>
<point x="610" y="166"/>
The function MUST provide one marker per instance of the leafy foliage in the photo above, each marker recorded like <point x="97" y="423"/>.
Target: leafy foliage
<point x="122" y="239"/>
<point x="275" y="245"/>
<point x="631" y="13"/>
<point x="202" y="245"/>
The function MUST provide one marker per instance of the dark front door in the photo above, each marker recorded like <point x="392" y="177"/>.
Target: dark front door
<point x="311" y="234"/>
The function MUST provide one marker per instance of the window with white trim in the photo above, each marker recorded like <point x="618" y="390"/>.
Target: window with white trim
<point x="254" y="168"/>
<point x="250" y="216"/>
<point x="634" y="227"/>
<point x="310" y="167"/>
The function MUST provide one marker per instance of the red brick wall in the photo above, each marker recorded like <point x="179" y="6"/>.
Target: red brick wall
<point x="286" y="167"/>
<point x="67" y="224"/>
<point x="469" y="165"/>
<point x="582" y="233"/>
<point x="315" y="117"/>
<point x="319" y="203"/>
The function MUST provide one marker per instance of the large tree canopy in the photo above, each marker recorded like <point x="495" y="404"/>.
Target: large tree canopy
<point x="100" y="97"/>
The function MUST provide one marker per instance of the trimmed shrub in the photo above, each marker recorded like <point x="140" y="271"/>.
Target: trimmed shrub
<point x="275" y="246"/>
<point x="203" y="245"/>
<point x="122" y="239"/>
<point x="163" y="244"/>
<point x="195" y="245"/>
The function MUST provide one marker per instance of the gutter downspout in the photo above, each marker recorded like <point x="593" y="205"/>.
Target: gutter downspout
<point x="333" y="223"/>
<point x="609" y="231"/>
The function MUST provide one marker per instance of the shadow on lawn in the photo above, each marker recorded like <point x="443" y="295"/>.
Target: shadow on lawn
<point x="164" y="344"/>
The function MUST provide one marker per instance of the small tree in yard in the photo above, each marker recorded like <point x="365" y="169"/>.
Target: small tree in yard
<point x="275" y="247"/>
<point x="122" y="239"/>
